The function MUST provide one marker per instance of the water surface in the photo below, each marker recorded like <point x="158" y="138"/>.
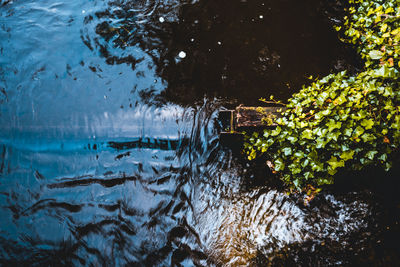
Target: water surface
<point x="110" y="153"/>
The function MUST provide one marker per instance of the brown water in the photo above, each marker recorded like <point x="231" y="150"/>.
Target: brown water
<point x="110" y="149"/>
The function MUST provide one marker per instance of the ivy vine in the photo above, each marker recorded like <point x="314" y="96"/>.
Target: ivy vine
<point x="342" y="121"/>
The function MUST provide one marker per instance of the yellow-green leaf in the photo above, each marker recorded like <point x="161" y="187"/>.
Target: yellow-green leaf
<point x="367" y="123"/>
<point x="334" y="163"/>
<point x="347" y="155"/>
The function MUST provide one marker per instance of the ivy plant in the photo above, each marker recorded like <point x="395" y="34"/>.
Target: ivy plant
<point x="342" y="121"/>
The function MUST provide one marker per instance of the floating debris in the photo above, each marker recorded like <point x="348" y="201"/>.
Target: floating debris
<point x="182" y="54"/>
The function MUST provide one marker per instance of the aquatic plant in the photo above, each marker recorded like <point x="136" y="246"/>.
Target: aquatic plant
<point x="342" y="121"/>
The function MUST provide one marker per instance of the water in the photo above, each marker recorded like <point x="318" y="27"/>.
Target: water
<point x="110" y="153"/>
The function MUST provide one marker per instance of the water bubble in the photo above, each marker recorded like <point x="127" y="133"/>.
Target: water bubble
<point x="83" y="11"/>
<point x="192" y="40"/>
<point x="182" y="54"/>
<point x="261" y="16"/>
<point x="219" y="43"/>
<point x="161" y="19"/>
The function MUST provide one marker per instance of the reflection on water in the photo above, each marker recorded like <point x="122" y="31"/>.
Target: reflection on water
<point x="157" y="207"/>
<point x="99" y="167"/>
<point x="262" y="47"/>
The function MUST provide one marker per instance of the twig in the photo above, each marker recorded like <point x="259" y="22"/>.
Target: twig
<point x="273" y="102"/>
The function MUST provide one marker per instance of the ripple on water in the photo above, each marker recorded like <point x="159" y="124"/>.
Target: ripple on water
<point x="83" y="82"/>
<point x="157" y="207"/>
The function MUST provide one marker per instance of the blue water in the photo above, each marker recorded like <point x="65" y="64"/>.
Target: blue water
<point x="109" y="138"/>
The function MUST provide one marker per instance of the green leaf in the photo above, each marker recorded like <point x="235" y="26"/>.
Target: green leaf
<point x="252" y="154"/>
<point x="321" y="142"/>
<point x="367" y="138"/>
<point x="276" y="131"/>
<point x="317" y="166"/>
<point x="321" y="98"/>
<point x="279" y="165"/>
<point x="334" y="163"/>
<point x="297" y="184"/>
<point x="308" y="175"/>
<point x="305" y="162"/>
<point x="320" y="132"/>
<point x="333" y="135"/>
<point x="307" y="134"/>
<point x="303" y="124"/>
<point x="384" y="27"/>
<point x="371" y="154"/>
<point x="367" y="123"/>
<point x="332" y="171"/>
<point x="292" y="139"/>
<point x="383" y="157"/>
<point x="348" y="131"/>
<point x="332" y="125"/>
<point x="388" y="166"/>
<point x="340" y="100"/>
<point x="358" y="131"/>
<point x="287" y="151"/>
<point x="375" y="54"/>
<point x="386" y="72"/>
<point x="382" y="71"/>
<point x="347" y="155"/>
<point x="299" y="154"/>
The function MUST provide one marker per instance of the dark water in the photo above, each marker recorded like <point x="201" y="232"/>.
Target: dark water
<point x="110" y="153"/>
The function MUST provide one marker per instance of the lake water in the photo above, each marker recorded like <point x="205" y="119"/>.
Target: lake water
<point x="109" y="137"/>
